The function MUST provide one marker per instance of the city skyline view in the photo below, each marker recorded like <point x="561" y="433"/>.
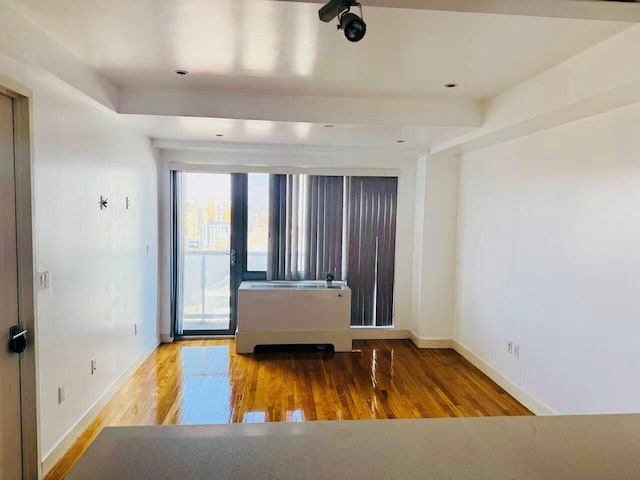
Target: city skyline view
<point x="207" y="215"/>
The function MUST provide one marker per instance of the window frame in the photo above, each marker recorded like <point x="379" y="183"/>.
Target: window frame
<point x="242" y="251"/>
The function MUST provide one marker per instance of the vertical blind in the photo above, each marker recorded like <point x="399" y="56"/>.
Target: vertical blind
<point x="309" y="217"/>
<point x="305" y="231"/>
<point x="277" y="227"/>
<point x="325" y="226"/>
<point x="371" y="223"/>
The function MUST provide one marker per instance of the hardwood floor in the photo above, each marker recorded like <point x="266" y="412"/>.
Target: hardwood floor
<point x="205" y="382"/>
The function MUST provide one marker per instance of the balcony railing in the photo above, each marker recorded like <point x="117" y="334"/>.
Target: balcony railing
<point x="206" y="290"/>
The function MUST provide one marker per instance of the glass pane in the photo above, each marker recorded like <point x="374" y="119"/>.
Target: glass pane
<point x="257" y="221"/>
<point x="207" y="243"/>
<point x="192" y="286"/>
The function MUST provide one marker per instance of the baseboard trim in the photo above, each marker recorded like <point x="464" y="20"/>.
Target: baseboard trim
<point x="379" y="334"/>
<point x="66" y="442"/>
<point x="524" y="398"/>
<point x="437" y="343"/>
<point x="365" y="333"/>
<point x="166" y="338"/>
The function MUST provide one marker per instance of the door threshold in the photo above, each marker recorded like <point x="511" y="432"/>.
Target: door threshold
<point x="204" y="337"/>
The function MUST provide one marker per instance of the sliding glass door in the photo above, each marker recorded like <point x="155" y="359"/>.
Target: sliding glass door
<point x="221" y="231"/>
<point x="207" y="253"/>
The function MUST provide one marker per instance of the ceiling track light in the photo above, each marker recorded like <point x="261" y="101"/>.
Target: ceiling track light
<point x="350" y="23"/>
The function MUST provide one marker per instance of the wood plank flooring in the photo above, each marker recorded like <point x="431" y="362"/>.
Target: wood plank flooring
<point x="205" y="382"/>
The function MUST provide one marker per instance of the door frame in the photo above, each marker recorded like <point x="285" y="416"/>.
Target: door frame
<point x="23" y="157"/>
<point x="235" y="268"/>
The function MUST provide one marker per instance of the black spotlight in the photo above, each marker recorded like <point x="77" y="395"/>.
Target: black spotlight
<point x="353" y="27"/>
<point x="350" y="23"/>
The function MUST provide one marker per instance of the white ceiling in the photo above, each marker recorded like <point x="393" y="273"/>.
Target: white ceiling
<point x="261" y="46"/>
<point x="290" y="133"/>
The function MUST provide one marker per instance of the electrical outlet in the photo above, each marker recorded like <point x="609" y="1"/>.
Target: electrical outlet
<point x="135" y="329"/>
<point x="510" y="347"/>
<point x="516" y="351"/>
<point x="61" y="395"/>
<point x="94" y="366"/>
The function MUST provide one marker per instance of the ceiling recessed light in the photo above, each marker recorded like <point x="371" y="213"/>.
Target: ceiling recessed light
<point x="328" y="126"/>
<point x="182" y="72"/>
<point x="450" y="85"/>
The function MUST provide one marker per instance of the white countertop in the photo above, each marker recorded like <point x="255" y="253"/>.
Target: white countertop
<point x="500" y="448"/>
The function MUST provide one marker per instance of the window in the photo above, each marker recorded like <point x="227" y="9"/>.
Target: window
<point x="234" y="227"/>
<point x="257" y="221"/>
<point x="340" y="225"/>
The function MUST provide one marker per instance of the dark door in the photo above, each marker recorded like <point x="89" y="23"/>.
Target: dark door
<point x="10" y="414"/>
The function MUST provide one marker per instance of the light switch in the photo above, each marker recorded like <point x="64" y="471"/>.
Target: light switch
<point x="44" y="280"/>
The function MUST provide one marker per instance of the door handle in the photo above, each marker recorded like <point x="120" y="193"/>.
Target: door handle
<point x="19" y="334"/>
<point x="17" y="339"/>
<point x="233" y="257"/>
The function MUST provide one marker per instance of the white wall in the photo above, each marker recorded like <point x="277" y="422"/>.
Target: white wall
<point x="103" y="280"/>
<point x="435" y="230"/>
<point x="549" y="257"/>
<point x="359" y="161"/>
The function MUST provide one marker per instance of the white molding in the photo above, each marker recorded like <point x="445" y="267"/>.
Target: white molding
<point x="357" y="333"/>
<point x="379" y="333"/>
<point x="524" y="398"/>
<point x="266" y="155"/>
<point x="361" y="172"/>
<point x="437" y="343"/>
<point x="14" y="89"/>
<point x="315" y="150"/>
<point x="166" y="338"/>
<point x="578" y="9"/>
<point x="66" y="442"/>
<point x="282" y="159"/>
<point x="435" y="111"/>
<point x="204" y="337"/>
